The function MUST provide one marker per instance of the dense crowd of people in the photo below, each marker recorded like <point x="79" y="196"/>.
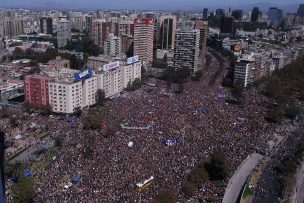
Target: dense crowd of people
<point x="200" y="120"/>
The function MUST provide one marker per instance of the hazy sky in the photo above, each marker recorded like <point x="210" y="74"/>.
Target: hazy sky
<point x="147" y="4"/>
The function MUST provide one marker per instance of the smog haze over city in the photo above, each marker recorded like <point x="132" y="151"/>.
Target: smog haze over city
<point x="152" y="101"/>
<point x="147" y="4"/>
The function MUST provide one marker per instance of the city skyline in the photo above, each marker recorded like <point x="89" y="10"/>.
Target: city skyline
<point x="136" y="4"/>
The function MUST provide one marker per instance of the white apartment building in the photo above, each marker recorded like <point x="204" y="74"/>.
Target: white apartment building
<point x="64" y="97"/>
<point x="66" y="93"/>
<point x="130" y="73"/>
<point x="96" y="62"/>
<point x="114" y="80"/>
<point x="63" y="32"/>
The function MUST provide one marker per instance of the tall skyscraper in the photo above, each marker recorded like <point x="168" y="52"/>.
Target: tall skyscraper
<point x="255" y="14"/>
<point x="275" y="16"/>
<point x="202" y="26"/>
<point x="101" y="30"/>
<point x="186" y="50"/>
<point x="243" y="70"/>
<point x="205" y="13"/>
<point x="220" y="12"/>
<point x="300" y="11"/>
<point x="167" y="31"/>
<point x="97" y="32"/>
<point x="88" y="23"/>
<point x="126" y="43"/>
<point x="63" y="32"/>
<point x="237" y="14"/>
<point x="227" y="25"/>
<point x="143" y="39"/>
<point x="112" y="45"/>
<point x="46" y="25"/>
<point x="12" y="27"/>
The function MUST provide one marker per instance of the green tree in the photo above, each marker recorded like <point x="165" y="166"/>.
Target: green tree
<point x="34" y="70"/>
<point x="136" y="84"/>
<point x="100" y="97"/>
<point x="198" y="176"/>
<point x="217" y="168"/>
<point x="77" y="112"/>
<point x="189" y="189"/>
<point x="183" y="74"/>
<point x="198" y="75"/>
<point x="92" y="119"/>
<point x="33" y="63"/>
<point x="24" y="191"/>
<point x="292" y="112"/>
<point x="13" y="121"/>
<point x="18" y="53"/>
<point x="166" y="196"/>
<point x="238" y="92"/>
<point x="169" y="75"/>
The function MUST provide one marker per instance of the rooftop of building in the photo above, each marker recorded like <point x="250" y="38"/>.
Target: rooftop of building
<point x="41" y="77"/>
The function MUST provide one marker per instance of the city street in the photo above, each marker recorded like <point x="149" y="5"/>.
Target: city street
<point x="239" y="178"/>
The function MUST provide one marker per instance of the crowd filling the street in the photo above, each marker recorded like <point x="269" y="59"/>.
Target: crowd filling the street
<point x="181" y="131"/>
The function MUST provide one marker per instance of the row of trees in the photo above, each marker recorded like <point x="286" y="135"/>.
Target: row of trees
<point x="136" y="84"/>
<point x="284" y="87"/>
<point x="84" y="45"/>
<point x="288" y="166"/>
<point x="23" y="188"/>
<point x="215" y="169"/>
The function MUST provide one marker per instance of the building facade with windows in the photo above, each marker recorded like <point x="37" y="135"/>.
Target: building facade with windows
<point x="186" y="51"/>
<point x="143" y="39"/>
<point x="36" y="90"/>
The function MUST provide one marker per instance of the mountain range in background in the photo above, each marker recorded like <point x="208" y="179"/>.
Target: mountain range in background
<point x="165" y="5"/>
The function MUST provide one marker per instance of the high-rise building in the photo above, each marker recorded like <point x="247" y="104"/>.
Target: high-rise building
<point x="220" y="12"/>
<point x="237" y="14"/>
<point x="202" y="26"/>
<point x="126" y="43"/>
<point x="244" y="70"/>
<point x="143" y="39"/>
<point x="255" y="14"/>
<point x="97" y="34"/>
<point x="275" y="16"/>
<point x="101" y="30"/>
<point x="125" y="28"/>
<point x="167" y="31"/>
<point x="12" y="27"/>
<point x="300" y="11"/>
<point x="78" y="22"/>
<point x="63" y="32"/>
<point x="227" y="25"/>
<point x="46" y="25"/>
<point x="36" y="90"/>
<point x="205" y="13"/>
<point x="112" y="45"/>
<point x="88" y="23"/>
<point x="186" y="50"/>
